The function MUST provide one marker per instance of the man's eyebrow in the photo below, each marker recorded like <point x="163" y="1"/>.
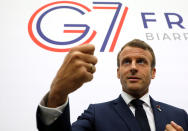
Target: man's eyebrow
<point x="141" y="58"/>
<point x="126" y="58"/>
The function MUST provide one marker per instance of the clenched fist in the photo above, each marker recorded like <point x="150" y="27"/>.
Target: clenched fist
<point x="77" y="68"/>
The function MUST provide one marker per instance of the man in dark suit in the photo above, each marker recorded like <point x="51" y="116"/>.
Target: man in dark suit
<point x="133" y="110"/>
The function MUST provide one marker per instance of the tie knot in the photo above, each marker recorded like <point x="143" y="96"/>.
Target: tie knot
<point x="137" y="103"/>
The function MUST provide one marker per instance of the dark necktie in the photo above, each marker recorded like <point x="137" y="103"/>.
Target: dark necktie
<point x="140" y="115"/>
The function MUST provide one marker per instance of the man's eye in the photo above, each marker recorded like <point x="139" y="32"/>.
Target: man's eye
<point x="127" y="62"/>
<point x="141" y="61"/>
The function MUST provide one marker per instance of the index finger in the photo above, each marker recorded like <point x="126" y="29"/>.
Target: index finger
<point x="176" y="126"/>
<point x="86" y="48"/>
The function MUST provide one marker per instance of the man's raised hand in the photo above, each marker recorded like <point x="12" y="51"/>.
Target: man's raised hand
<point x="78" y="67"/>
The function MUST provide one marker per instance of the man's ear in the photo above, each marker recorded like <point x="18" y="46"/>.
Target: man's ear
<point x="118" y="73"/>
<point x="153" y="72"/>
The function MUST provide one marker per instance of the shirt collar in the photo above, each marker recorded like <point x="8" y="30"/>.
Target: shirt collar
<point x="128" y="98"/>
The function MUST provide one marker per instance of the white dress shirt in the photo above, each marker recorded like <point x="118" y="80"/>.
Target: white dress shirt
<point x="147" y="107"/>
<point x="49" y="115"/>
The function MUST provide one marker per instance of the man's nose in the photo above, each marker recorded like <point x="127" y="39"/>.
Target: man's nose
<point x="133" y="68"/>
<point x="133" y="65"/>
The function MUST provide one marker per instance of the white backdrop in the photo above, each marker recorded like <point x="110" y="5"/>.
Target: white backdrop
<point x="26" y="70"/>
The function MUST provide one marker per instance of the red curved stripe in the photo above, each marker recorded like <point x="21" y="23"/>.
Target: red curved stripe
<point x="30" y="31"/>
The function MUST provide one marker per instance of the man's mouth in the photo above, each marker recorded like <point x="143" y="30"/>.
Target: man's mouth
<point x="133" y="78"/>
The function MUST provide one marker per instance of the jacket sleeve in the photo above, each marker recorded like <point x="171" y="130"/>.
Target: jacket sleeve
<point x="62" y="123"/>
<point x="85" y="122"/>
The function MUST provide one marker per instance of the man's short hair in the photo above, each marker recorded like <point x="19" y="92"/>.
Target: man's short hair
<point x="139" y="44"/>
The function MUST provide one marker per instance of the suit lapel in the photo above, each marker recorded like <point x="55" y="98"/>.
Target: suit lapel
<point x="159" y="115"/>
<point x="125" y="114"/>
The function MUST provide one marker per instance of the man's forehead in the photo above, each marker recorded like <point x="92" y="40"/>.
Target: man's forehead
<point x="135" y="52"/>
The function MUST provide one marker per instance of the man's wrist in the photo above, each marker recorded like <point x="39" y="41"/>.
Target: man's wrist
<point x="54" y="101"/>
<point x="49" y="115"/>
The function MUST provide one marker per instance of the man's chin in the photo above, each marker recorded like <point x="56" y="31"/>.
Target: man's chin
<point x="134" y="87"/>
<point x="134" y="91"/>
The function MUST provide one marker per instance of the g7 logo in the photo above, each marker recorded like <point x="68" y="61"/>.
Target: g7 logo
<point x="80" y="33"/>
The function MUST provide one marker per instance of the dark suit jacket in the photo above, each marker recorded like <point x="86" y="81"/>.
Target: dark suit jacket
<point x="115" y="116"/>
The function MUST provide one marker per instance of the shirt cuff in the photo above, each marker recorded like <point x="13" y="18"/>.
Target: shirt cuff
<point x="49" y="115"/>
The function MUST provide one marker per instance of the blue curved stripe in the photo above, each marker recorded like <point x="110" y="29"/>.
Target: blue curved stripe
<point x="41" y="34"/>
